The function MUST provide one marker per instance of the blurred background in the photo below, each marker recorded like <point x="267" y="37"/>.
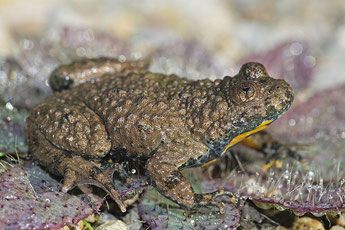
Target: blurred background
<point x="216" y="35"/>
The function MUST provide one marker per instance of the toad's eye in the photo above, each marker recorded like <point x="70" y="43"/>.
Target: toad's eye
<point x="246" y="92"/>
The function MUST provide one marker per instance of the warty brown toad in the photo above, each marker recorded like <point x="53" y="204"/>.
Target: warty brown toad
<point x="173" y="123"/>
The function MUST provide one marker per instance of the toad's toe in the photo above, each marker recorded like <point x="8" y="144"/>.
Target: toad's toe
<point x="69" y="181"/>
<point x="78" y="171"/>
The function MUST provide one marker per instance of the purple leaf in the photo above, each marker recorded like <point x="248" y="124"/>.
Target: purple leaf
<point x="30" y="199"/>
<point x="160" y="213"/>
<point x="298" y="189"/>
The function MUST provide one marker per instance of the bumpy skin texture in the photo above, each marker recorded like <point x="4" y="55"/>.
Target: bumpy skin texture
<point x="171" y="122"/>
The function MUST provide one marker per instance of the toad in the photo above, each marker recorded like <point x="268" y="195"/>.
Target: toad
<point x="104" y="106"/>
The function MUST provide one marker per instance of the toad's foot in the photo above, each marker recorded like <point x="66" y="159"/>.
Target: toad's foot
<point x="275" y="151"/>
<point x="77" y="170"/>
<point x="276" y="156"/>
<point x="168" y="180"/>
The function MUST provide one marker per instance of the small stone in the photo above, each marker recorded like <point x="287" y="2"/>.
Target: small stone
<point x="341" y="220"/>
<point x="113" y="225"/>
<point x="337" y="227"/>
<point x="280" y="228"/>
<point x="93" y="218"/>
<point x="307" y="223"/>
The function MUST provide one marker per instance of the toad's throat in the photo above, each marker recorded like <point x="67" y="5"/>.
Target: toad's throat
<point x="241" y="137"/>
<point x="246" y="134"/>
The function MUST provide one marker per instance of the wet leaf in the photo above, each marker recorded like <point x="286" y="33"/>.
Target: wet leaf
<point x="161" y="213"/>
<point x="30" y="199"/>
<point x="300" y="190"/>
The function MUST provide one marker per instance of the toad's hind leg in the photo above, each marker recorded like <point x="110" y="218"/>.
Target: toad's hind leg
<point x="69" y="140"/>
<point x="75" y="169"/>
<point x="66" y="76"/>
<point x="74" y="128"/>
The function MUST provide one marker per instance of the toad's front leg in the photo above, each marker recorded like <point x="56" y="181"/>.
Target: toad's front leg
<point x="274" y="150"/>
<point x="163" y="169"/>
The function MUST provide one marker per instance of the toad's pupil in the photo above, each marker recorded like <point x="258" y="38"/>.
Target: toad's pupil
<point x="249" y="92"/>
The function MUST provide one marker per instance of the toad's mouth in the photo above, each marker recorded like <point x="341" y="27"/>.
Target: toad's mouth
<point x="242" y="136"/>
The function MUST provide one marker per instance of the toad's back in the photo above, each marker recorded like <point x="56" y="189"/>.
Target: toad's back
<point x="140" y="111"/>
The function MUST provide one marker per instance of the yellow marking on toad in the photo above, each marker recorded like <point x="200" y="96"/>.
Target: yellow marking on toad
<point x="232" y="199"/>
<point x="210" y="162"/>
<point x="239" y="138"/>
<point x="244" y="135"/>
<point x="249" y="142"/>
<point x="277" y="163"/>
